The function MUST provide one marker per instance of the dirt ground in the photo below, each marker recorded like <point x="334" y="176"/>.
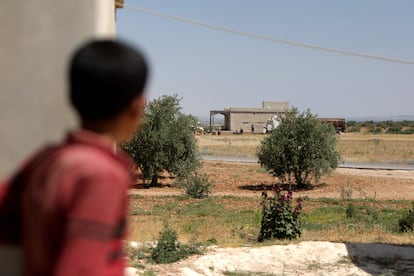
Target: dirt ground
<point x="241" y="179"/>
<point x="304" y="258"/>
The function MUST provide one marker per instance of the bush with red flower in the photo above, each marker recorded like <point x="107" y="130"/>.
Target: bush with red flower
<point x="280" y="220"/>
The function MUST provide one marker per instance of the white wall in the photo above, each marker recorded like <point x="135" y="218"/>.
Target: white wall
<point x="36" y="38"/>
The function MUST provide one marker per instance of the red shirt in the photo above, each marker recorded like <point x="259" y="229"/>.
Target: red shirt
<point x="73" y="209"/>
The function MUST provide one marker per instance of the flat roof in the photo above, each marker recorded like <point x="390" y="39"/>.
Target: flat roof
<point x="249" y="110"/>
<point x="257" y="110"/>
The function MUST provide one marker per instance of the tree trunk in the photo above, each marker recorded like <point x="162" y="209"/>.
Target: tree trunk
<point x="299" y="180"/>
<point x="154" y="180"/>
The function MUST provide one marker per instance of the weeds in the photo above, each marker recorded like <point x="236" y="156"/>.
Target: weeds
<point x="211" y="241"/>
<point x="346" y="195"/>
<point x="169" y="250"/>
<point x="233" y="221"/>
<point x="369" y="207"/>
<point x="406" y="223"/>
<point x="351" y="210"/>
<point x="149" y="273"/>
<point x="346" y="191"/>
<point x="196" y="186"/>
<point x="135" y="254"/>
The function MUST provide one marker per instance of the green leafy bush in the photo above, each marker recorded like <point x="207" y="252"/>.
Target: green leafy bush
<point x="353" y="126"/>
<point x="407" y="123"/>
<point x="165" y="142"/>
<point x="408" y="131"/>
<point x="279" y="219"/>
<point x="354" y="129"/>
<point x="406" y="223"/>
<point x="196" y="185"/>
<point x="375" y="129"/>
<point x="394" y="130"/>
<point x="169" y="250"/>
<point x="352" y="123"/>
<point x="388" y="126"/>
<point x="368" y="124"/>
<point x="301" y="148"/>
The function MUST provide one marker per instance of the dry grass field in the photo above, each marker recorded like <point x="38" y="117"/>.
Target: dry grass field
<point x="365" y="147"/>
<point x="234" y="221"/>
<point x="354" y="147"/>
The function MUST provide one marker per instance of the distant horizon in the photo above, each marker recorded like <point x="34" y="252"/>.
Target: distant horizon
<point x="379" y="118"/>
<point x="367" y="117"/>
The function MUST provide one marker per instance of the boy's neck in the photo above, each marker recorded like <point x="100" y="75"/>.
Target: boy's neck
<point x="103" y="129"/>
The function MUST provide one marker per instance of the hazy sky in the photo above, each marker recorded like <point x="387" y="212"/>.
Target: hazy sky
<point x="211" y="69"/>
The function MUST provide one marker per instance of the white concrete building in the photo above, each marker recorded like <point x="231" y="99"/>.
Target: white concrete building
<point x="237" y="119"/>
<point x="36" y="38"/>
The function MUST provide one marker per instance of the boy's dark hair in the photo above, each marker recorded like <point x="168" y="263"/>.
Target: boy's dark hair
<point x="105" y="76"/>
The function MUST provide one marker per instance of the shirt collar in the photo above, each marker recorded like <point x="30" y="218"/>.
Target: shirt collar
<point x="86" y="137"/>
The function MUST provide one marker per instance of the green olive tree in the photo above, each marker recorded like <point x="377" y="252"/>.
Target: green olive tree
<point x="165" y="141"/>
<point x="301" y="148"/>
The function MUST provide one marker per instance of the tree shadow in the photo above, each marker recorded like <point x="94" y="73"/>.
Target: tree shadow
<point x="283" y="187"/>
<point x="148" y="186"/>
<point x="139" y="182"/>
<point x="382" y="259"/>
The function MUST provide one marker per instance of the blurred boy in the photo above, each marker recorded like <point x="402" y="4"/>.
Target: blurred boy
<point x="66" y="208"/>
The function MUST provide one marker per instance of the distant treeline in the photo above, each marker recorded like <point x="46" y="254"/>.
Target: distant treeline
<point x="392" y="127"/>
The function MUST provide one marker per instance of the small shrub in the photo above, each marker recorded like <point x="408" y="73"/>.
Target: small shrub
<point x="352" y="123"/>
<point x="346" y="192"/>
<point x="354" y="129"/>
<point x="408" y="123"/>
<point x="138" y="253"/>
<point x="169" y="250"/>
<point x="375" y="129"/>
<point x="368" y="124"/>
<point x="196" y="186"/>
<point x="408" y="131"/>
<point x="370" y="207"/>
<point x="371" y="210"/>
<point x="394" y="130"/>
<point x="279" y="220"/>
<point x="406" y="223"/>
<point x="351" y="210"/>
<point x="211" y="241"/>
<point x="353" y="126"/>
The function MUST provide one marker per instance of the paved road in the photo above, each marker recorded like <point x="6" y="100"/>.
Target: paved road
<point x="371" y="166"/>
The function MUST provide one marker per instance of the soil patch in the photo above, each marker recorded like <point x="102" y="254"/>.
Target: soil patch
<point x="241" y="179"/>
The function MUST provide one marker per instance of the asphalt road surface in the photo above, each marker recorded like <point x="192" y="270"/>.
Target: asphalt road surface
<point x="350" y="165"/>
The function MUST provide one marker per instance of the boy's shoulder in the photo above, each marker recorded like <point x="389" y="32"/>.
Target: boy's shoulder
<point x="87" y="152"/>
<point x="82" y="154"/>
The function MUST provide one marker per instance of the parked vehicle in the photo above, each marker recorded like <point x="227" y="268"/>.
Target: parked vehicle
<point x="337" y="123"/>
<point x="271" y="124"/>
